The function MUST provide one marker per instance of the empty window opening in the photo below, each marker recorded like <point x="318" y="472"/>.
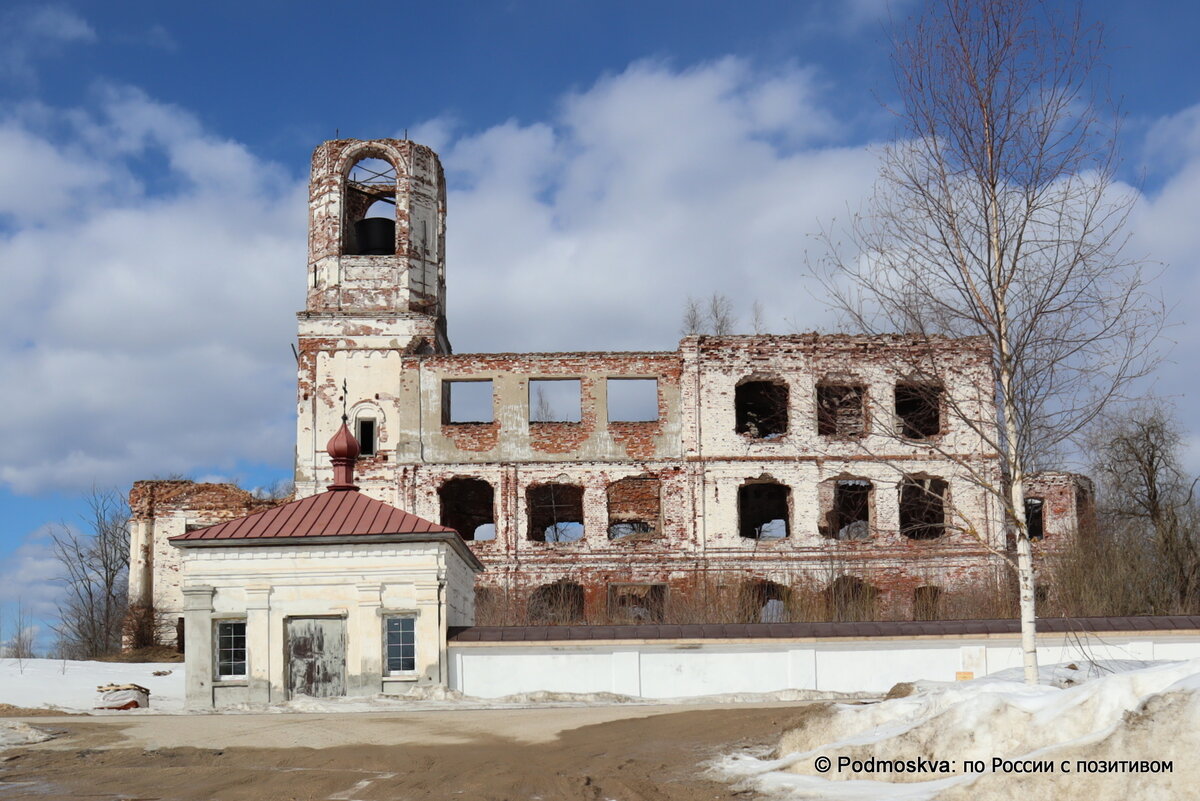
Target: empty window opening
<point x="553" y="400"/>
<point x="763" y="511"/>
<point x="922" y="508"/>
<point x="766" y="601"/>
<point x="925" y="603"/>
<point x="559" y="603"/>
<point x="555" y="512"/>
<point x="840" y="411"/>
<point x="467" y="402"/>
<point x="637" y="603"/>
<point x="1034" y="518"/>
<point x="846" y="509"/>
<point x="365" y="434"/>
<point x="468" y="508"/>
<point x="633" y="507"/>
<point x="761" y="409"/>
<point x="370" y="203"/>
<point x="632" y="400"/>
<point x="850" y="599"/>
<point x="231" y="649"/>
<point x="919" y="410"/>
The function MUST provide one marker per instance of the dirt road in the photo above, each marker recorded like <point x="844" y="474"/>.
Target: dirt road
<point x="552" y="754"/>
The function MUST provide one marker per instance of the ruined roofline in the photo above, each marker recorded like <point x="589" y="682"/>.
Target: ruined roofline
<point x="712" y="342"/>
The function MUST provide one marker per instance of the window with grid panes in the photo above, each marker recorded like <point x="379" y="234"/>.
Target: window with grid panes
<point x="401" y="644"/>
<point x="231" y="649"/>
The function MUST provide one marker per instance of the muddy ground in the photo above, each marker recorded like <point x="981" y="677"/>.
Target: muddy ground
<point x="557" y="754"/>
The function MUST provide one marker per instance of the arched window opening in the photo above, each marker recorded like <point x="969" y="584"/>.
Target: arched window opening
<point x="468" y="508"/>
<point x="560" y="603"/>
<point x="850" y="599"/>
<point x="370" y="209"/>
<point x="766" y="601"/>
<point x="763" y="511"/>
<point x="637" y="603"/>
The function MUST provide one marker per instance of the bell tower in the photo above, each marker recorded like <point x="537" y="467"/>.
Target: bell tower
<point x="376" y="242"/>
<point x="376" y="301"/>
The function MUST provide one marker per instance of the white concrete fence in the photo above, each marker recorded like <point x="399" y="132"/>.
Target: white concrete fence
<point x="680" y="668"/>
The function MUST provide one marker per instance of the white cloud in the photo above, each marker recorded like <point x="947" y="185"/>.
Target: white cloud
<point x="29" y="577"/>
<point x="36" y="31"/>
<point x="589" y="230"/>
<point x="142" y="332"/>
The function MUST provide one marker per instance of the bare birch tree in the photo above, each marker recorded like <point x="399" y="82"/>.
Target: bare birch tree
<point x="996" y="215"/>
<point x="94" y="569"/>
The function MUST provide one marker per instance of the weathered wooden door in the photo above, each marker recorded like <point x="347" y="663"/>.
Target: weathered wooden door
<point x="316" y="654"/>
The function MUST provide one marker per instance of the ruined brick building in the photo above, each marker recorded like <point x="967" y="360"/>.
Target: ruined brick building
<point x="594" y="486"/>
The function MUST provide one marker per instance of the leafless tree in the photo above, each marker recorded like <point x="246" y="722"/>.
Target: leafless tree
<point x="20" y="646"/>
<point x="543" y="410"/>
<point x="94" y="561"/>
<point x="996" y="215"/>
<point x="1145" y="492"/>
<point x="693" y="318"/>
<point x="712" y="316"/>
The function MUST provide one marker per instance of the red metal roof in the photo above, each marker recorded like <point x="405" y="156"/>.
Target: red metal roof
<point x="326" y="514"/>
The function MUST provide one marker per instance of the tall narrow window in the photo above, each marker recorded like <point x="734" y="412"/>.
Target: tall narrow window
<point x="365" y="435"/>
<point x="231" y="649"/>
<point x="1035" y="518"/>
<point x="922" y="508"/>
<point x="401" y="644"/>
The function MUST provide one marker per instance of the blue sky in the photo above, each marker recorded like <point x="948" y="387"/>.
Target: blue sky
<point x="605" y="159"/>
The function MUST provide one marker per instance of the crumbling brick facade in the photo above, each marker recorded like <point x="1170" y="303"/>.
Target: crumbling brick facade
<point x="827" y="458"/>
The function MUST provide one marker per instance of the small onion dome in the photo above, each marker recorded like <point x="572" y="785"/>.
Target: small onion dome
<point x="343" y="451"/>
<point x="343" y="445"/>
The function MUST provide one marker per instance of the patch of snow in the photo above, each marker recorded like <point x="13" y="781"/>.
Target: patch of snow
<point x="1124" y="710"/>
<point x="14" y="732"/>
<point x="70" y="685"/>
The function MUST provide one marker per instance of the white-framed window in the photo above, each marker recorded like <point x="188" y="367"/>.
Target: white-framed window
<point x="400" y="644"/>
<point x="230" y="636"/>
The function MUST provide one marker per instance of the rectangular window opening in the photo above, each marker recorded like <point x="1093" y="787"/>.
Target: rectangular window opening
<point x="366" y="436"/>
<point x="919" y="410"/>
<point x="840" y="411"/>
<point x="401" y="644"/>
<point x="763" y="511"/>
<point x="634" y="508"/>
<point x="555" y="512"/>
<point x="922" y="508"/>
<point x="467" y="402"/>
<point x="231" y="649"/>
<point x="1035" y="518"/>
<point x="846" y="509"/>
<point x="555" y="400"/>
<point x="632" y="400"/>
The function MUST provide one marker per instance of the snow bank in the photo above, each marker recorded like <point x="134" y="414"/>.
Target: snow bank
<point x="1142" y="714"/>
<point x="70" y="685"/>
